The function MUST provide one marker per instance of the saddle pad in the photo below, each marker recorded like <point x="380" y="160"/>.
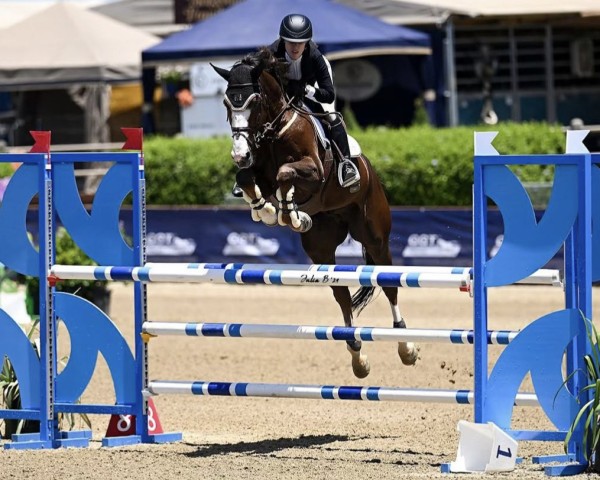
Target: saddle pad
<point x="320" y="131"/>
<point x="355" y="149"/>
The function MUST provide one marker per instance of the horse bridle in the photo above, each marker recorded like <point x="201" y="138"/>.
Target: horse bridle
<point x="269" y="128"/>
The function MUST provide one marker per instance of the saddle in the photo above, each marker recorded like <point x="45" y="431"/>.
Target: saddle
<point x="332" y="152"/>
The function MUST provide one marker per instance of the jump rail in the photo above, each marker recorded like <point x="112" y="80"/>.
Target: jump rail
<point x="262" y="276"/>
<point x="323" y="392"/>
<point x="313" y="332"/>
<point x="542" y="276"/>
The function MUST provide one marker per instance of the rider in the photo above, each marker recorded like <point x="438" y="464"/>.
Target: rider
<point x="308" y="68"/>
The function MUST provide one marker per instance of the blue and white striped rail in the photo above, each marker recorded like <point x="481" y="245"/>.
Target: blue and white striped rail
<point x="540" y="277"/>
<point x="323" y="392"/>
<point x="264" y="276"/>
<point x="309" y="332"/>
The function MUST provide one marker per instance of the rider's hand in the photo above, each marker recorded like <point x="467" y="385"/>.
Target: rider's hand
<point x="309" y="91"/>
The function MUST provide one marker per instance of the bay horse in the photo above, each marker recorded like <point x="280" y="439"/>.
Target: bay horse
<point x="284" y="172"/>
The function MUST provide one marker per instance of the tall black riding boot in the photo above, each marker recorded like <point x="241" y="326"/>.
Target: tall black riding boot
<point x="348" y="174"/>
<point x="236" y="191"/>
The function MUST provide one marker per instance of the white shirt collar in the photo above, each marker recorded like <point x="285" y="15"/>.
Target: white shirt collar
<point x="295" y="71"/>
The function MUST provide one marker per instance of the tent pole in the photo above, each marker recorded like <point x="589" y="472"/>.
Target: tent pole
<point x="451" y="94"/>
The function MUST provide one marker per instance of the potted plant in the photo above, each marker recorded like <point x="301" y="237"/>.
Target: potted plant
<point x="10" y="396"/>
<point x="589" y="412"/>
<point x="68" y="253"/>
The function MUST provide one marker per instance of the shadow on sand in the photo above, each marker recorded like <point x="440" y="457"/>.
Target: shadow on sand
<point x="265" y="447"/>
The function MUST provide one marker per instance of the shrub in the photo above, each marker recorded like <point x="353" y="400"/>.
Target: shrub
<point x="419" y="166"/>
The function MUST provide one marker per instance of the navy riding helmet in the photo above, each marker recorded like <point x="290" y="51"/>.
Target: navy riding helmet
<point x="295" y="28"/>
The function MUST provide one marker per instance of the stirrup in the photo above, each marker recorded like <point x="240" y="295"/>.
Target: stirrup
<point x="352" y="180"/>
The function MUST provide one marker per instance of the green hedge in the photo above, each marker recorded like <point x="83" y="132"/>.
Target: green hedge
<point x="6" y="170"/>
<point x="419" y="166"/>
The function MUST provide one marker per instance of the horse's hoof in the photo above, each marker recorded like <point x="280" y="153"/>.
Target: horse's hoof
<point x="409" y="353"/>
<point x="280" y="219"/>
<point x="360" y="363"/>
<point x="304" y="223"/>
<point x="268" y="215"/>
<point x="360" y="366"/>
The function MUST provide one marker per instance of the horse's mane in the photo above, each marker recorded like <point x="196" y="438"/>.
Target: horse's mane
<point x="264" y="60"/>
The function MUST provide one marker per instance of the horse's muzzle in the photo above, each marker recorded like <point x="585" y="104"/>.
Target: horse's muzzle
<point x="243" y="161"/>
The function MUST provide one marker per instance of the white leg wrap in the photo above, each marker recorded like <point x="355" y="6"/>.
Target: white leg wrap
<point x="281" y="206"/>
<point x="295" y="219"/>
<point x="293" y="214"/>
<point x="267" y="214"/>
<point x="396" y="313"/>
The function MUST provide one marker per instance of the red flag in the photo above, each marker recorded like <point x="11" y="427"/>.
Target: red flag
<point x="135" y="138"/>
<point x="42" y="141"/>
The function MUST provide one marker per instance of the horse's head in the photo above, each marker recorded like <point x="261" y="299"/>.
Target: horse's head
<point x="253" y="90"/>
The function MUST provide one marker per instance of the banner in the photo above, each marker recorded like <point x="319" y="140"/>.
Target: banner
<point x="421" y="237"/>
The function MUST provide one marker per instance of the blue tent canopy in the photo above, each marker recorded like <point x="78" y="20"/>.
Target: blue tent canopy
<point x="339" y="31"/>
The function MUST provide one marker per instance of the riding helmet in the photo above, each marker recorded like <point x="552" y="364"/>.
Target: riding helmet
<point x="295" y="28"/>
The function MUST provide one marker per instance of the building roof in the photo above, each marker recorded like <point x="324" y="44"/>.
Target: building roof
<point x="153" y="16"/>
<point x="419" y="11"/>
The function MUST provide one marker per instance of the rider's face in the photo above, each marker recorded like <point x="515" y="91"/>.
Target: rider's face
<point x="294" y="50"/>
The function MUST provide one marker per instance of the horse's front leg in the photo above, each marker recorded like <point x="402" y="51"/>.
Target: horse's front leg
<point x="289" y="175"/>
<point x="261" y="209"/>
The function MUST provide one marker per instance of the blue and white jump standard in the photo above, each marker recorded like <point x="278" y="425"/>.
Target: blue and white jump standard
<point x="44" y="391"/>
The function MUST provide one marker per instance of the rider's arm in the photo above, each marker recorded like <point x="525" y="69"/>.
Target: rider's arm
<point x="325" y="93"/>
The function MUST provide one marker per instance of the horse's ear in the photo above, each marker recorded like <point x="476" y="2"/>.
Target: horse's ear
<point x="222" y="72"/>
<point x="257" y="71"/>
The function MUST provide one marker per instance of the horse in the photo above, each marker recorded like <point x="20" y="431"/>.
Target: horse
<point x="284" y="172"/>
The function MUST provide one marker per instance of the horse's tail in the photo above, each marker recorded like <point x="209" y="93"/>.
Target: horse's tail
<point x="364" y="295"/>
<point x="361" y="298"/>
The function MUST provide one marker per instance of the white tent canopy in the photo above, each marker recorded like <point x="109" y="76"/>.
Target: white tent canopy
<point x="14" y="11"/>
<point x="66" y="44"/>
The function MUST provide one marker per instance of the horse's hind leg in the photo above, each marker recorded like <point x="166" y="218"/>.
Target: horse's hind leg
<point x="408" y="351"/>
<point x="360" y="362"/>
<point x="320" y="243"/>
<point x="373" y="232"/>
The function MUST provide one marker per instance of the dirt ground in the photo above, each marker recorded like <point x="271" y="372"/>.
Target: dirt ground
<point x="258" y="438"/>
